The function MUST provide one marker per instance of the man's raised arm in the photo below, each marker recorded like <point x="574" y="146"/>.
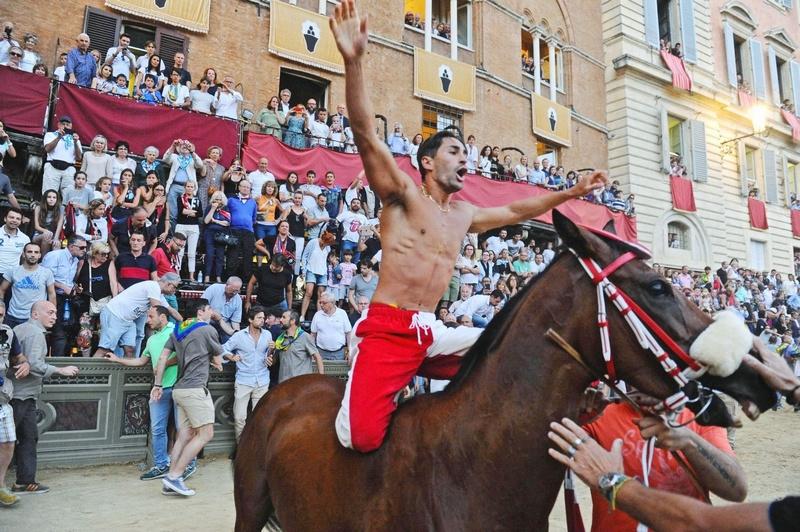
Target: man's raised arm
<point x="350" y="32"/>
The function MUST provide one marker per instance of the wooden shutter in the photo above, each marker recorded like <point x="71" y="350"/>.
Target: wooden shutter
<point x="757" y="57"/>
<point x="103" y="28"/>
<point x="730" y="53"/>
<point x="771" y="176"/>
<point x="168" y="44"/>
<point x="795" y="70"/>
<point x="687" y="30"/>
<point x="742" y="168"/>
<point x="651" y="22"/>
<point x="664" y="123"/>
<point x="697" y="131"/>
<point x="773" y="75"/>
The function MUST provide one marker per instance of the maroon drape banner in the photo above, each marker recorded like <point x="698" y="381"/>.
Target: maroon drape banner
<point x="758" y="213"/>
<point x="794" y="122"/>
<point x="680" y="77"/>
<point x="795" y="223"/>
<point x="682" y="194"/>
<point x="478" y="190"/>
<point x="23" y="100"/>
<point x="143" y="125"/>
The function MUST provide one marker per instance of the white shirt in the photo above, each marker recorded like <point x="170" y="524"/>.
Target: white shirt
<point x="319" y="133"/>
<point x="478" y="304"/>
<point x="472" y="158"/>
<point x="64" y="150"/>
<point x="124" y="63"/>
<point x="11" y="249"/>
<point x="5" y="46"/>
<point x="228" y="104"/>
<point x="548" y="255"/>
<point x="257" y="179"/>
<point x="201" y="101"/>
<point x="310" y="200"/>
<point x="29" y="60"/>
<point x="496" y="244"/>
<point x="331" y="330"/>
<point x="144" y="60"/>
<point x="351" y="223"/>
<point x="60" y="73"/>
<point x="316" y="259"/>
<point x="134" y="301"/>
<point x="181" y="93"/>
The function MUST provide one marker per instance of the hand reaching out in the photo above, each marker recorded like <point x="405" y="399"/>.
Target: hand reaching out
<point x="349" y="30"/>
<point x="589" y="183"/>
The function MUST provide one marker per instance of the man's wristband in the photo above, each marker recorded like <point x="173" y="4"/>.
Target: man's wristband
<point x="157" y="386"/>
<point x="790" y="396"/>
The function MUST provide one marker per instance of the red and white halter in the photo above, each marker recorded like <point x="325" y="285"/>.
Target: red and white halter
<point x="643" y="327"/>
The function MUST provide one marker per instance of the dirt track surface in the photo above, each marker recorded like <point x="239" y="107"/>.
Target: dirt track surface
<point x="112" y="498"/>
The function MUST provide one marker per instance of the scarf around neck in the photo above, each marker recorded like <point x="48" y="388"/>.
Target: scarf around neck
<point x="186" y="327"/>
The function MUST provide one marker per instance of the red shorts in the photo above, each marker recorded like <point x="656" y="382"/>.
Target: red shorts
<point x="388" y="347"/>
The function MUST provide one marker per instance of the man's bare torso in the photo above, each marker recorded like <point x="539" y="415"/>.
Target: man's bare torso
<point x="420" y="246"/>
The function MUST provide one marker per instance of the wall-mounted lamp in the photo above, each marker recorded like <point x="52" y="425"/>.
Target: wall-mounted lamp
<point x="758" y="118"/>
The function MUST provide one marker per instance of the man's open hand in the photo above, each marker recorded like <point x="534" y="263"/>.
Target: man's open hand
<point x="589" y="183"/>
<point x="349" y="30"/>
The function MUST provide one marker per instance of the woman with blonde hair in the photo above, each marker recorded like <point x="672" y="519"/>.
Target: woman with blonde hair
<point x="218" y="221"/>
<point x="96" y="162"/>
<point x="98" y="281"/>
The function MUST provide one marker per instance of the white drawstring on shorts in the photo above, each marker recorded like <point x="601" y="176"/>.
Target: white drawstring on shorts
<point x="418" y="323"/>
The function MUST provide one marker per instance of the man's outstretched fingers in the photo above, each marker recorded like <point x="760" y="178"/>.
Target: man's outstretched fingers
<point x="575" y="428"/>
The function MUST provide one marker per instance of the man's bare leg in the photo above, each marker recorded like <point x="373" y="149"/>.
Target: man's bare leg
<point x="188" y="445"/>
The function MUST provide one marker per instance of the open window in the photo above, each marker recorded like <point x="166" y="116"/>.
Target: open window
<point x="671" y="22"/>
<point x="442" y="23"/>
<point x="683" y="147"/>
<point x="791" y="177"/>
<point x="551" y="69"/>
<point x="678" y="236"/>
<point x="437" y="117"/>
<point x="751" y="170"/>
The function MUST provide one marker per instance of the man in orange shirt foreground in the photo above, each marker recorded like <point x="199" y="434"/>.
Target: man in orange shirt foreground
<point x="706" y="449"/>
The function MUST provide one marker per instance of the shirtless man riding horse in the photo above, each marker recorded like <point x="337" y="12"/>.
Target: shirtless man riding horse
<point x="422" y="227"/>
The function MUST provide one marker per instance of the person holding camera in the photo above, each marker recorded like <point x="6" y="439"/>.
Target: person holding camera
<point x="63" y="147"/>
<point x="184" y="165"/>
<point x="120" y="58"/>
<point x="6" y="42"/>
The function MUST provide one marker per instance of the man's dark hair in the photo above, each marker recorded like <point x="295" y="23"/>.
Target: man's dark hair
<point x="279" y="259"/>
<point x="322" y="195"/>
<point x="365" y="262"/>
<point x="122" y="143"/>
<point x="321" y="110"/>
<point x="175" y="71"/>
<point x="196" y="306"/>
<point x="62" y="54"/>
<point x="255" y="311"/>
<point x="121" y="35"/>
<point x="496" y="293"/>
<point x="273" y="311"/>
<point x="25" y="248"/>
<point x="431" y="145"/>
<point x="179" y="236"/>
<point x="295" y="317"/>
<point x="14" y="209"/>
<point x="74" y="239"/>
<point x="161" y="310"/>
<point x="311" y="172"/>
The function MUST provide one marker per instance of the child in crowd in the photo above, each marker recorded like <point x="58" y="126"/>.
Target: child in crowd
<point x="102" y="190"/>
<point x="335" y="277"/>
<point x="121" y="88"/>
<point x="348" y="269"/>
<point x="336" y="136"/>
<point x="148" y="93"/>
<point x="78" y="195"/>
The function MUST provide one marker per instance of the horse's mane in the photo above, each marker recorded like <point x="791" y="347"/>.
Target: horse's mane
<point x="496" y="326"/>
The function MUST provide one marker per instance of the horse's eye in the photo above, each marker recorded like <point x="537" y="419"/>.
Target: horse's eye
<point x="659" y="288"/>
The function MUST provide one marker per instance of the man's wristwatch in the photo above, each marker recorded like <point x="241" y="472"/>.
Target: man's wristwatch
<point x="610" y="483"/>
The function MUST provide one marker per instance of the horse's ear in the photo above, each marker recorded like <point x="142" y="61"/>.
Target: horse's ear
<point x="610" y="227"/>
<point x="571" y="234"/>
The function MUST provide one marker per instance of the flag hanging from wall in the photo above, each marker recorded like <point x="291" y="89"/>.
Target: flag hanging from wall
<point x="551" y="120"/>
<point x="444" y="80"/>
<point x="303" y="36"/>
<point x="192" y="15"/>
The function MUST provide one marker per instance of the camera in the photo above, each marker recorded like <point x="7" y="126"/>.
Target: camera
<point x="67" y="131"/>
<point x="8" y="29"/>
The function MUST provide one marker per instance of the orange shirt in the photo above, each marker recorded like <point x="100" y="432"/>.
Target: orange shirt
<point x="665" y="473"/>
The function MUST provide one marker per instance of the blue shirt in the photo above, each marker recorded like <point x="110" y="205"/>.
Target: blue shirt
<point x="252" y="369"/>
<point x="63" y="265"/>
<point x="243" y="213"/>
<point x="229" y="309"/>
<point x="81" y="64"/>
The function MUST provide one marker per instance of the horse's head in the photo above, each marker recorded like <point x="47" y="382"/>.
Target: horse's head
<point x="709" y="350"/>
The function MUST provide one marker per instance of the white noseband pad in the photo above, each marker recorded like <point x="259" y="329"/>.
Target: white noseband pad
<point x="723" y="344"/>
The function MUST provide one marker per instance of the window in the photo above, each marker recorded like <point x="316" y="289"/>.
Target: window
<point x="547" y="151"/>
<point x="753" y="171"/>
<point x="677" y="236"/>
<point x="784" y="79"/>
<point x="437" y="117"/>
<point x="758" y="255"/>
<point x="441" y="25"/>
<point x="304" y="86"/>
<point x="554" y="71"/>
<point x="668" y="17"/>
<point x="140" y="34"/>
<point x="792" y="176"/>
<point x="677" y="146"/>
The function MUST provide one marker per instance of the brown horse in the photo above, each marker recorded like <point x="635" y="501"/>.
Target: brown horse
<point x="473" y="457"/>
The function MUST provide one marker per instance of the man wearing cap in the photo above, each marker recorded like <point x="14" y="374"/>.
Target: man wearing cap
<point x="63" y="148"/>
<point x="81" y="67"/>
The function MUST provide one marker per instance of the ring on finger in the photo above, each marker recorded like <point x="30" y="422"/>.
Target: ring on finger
<point x="571" y="451"/>
<point x="577" y="442"/>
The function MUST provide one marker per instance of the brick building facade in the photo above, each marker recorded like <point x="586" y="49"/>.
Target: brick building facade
<point x="492" y="35"/>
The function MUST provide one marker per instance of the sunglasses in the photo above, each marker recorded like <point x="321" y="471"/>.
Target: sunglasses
<point x="81" y="247"/>
<point x="15" y="54"/>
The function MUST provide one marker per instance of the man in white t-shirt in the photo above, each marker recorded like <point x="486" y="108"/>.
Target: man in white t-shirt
<point x="351" y="221"/>
<point x="60" y="72"/>
<point x="63" y="148"/>
<point x="330" y="329"/>
<point x="497" y="243"/>
<point x="472" y="155"/>
<point x="318" y="129"/>
<point x="121" y="59"/>
<point x="175" y="94"/>
<point x="118" y="318"/>
<point x="12" y="241"/>
<point x="516" y="244"/>
<point x="227" y="100"/>
<point x="310" y="190"/>
<point x="6" y="42"/>
<point x="260" y="176"/>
